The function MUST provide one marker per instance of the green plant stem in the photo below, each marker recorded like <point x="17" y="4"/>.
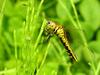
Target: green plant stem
<point x="73" y="22"/>
<point x="43" y="59"/>
<point x="1" y="14"/>
<point x="68" y="13"/>
<point x="40" y="34"/>
<point x="8" y="71"/>
<point x="4" y="43"/>
<point x="39" y="8"/>
<point x="78" y="24"/>
<point x="15" y="47"/>
<point x="98" y="69"/>
<point x="59" y="49"/>
<point x="67" y="65"/>
<point x="32" y="15"/>
<point x="37" y="14"/>
<point x="3" y="5"/>
<point x="27" y="18"/>
<point x="80" y="27"/>
<point x="15" y="44"/>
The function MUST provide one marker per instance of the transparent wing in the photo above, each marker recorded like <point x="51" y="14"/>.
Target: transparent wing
<point x="73" y="35"/>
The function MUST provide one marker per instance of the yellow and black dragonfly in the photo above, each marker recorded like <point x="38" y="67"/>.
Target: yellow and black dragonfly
<point x="53" y="28"/>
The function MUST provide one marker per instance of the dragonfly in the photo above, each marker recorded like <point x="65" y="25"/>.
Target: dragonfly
<point x="54" y="28"/>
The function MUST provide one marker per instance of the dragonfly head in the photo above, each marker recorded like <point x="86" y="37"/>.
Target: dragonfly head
<point x="50" y="27"/>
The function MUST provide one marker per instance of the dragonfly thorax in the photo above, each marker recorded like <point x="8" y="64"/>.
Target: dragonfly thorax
<point x="50" y="28"/>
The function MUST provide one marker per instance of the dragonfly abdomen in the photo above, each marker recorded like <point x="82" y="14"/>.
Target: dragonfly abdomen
<point x="61" y="34"/>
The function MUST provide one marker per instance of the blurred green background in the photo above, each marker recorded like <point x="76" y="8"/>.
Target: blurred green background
<point x="22" y="50"/>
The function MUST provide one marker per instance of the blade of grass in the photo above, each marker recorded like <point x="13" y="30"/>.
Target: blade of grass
<point x="27" y="17"/>
<point x="98" y="69"/>
<point x="4" y="43"/>
<point x="3" y="5"/>
<point x="67" y="65"/>
<point x="8" y="71"/>
<point x="93" y="67"/>
<point x="40" y="34"/>
<point x="28" y="28"/>
<point x="1" y="14"/>
<point x="81" y="32"/>
<point x="32" y="15"/>
<point x="39" y="8"/>
<point x="72" y="20"/>
<point x="78" y="24"/>
<point x="59" y="49"/>
<point x="37" y="15"/>
<point x="15" y="47"/>
<point x="68" y="13"/>
<point x="32" y="8"/>
<point x="46" y="52"/>
<point x="15" y="43"/>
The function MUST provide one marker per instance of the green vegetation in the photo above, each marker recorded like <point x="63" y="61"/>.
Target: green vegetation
<point x="24" y="49"/>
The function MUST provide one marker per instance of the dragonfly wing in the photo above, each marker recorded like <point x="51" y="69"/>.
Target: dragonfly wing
<point x="73" y="35"/>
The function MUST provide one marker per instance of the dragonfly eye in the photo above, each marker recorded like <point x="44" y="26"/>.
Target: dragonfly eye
<point x="48" y="23"/>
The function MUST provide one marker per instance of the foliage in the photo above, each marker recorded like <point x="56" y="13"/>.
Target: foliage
<point x="24" y="49"/>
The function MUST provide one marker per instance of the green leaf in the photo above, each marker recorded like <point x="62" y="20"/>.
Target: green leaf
<point x="60" y="11"/>
<point x="21" y="9"/>
<point x="1" y="3"/>
<point x="87" y="54"/>
<point x="9" y="8"/>
<point x="88" y="31"/>
<point x="95" y="46"/>
<point x="11" y="63"/>
<point x="15" y="23"/>
<point x="49" y="67"/>
<point x="79" y="73"/>
<point x="98" y="36"/>
<point x="90" y="12"/>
